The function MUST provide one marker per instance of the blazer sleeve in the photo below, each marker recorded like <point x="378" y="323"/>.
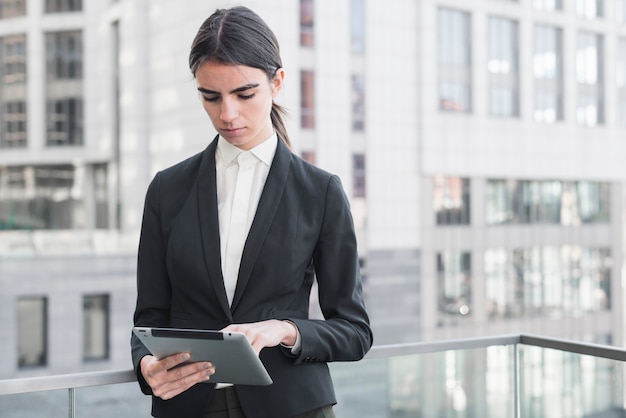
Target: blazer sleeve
<point x="153" y="285"/>
<point x="344" y="334"/>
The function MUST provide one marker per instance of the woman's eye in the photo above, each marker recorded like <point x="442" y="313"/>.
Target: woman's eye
<point x="246" y="96"/>
<point x="210" y="98"/>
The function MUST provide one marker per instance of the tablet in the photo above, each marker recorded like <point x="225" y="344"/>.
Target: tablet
<point x="230" y="352"/>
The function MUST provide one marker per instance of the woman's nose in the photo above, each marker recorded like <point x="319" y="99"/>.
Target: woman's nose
<point x="229" y="111"/>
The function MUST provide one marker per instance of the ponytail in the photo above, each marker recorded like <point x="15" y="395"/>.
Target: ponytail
<point x="279" y="125"/>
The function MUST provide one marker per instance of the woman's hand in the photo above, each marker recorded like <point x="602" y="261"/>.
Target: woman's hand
<point x="167" y="380"/>
<point x="268" y="333"/>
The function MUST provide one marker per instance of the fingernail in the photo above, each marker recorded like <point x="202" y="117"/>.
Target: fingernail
<point x="184" y="356"/>
<point x="210" y="372"/>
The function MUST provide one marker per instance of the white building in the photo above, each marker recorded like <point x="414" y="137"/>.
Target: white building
<point x="481" y="145"/>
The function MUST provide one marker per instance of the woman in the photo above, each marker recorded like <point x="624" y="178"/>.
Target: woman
<point x="233" y="237"/>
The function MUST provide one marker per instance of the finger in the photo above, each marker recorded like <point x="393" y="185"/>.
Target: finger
<point x="180" y="380"/>
<point x="169" y="362"/>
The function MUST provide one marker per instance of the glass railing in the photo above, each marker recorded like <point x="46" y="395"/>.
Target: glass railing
<point x="515" y="376"/>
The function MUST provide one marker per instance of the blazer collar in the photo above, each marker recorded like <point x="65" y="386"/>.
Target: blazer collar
<point x="209" y="221"/>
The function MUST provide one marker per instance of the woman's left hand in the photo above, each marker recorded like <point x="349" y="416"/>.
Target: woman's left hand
<point x="268" y="333"/>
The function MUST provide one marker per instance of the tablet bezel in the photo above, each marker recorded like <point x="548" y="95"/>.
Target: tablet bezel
<point x="230" y="352"/>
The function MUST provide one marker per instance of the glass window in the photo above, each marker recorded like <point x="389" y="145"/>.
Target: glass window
<point x="52" y="197"/>
<point x="358" y="103"/>
<point x="64" y="110"/>
<point x="13" y="126"/>
<point x="454" y="58"/>
<point x="501" y="286"/>
<point x="547" y="201"/>
<point x="307" y="20"/>
<point x="547" y="281"/>
<point x="307" y="99"/>
<point x="32" y="331"/>
<point x="64" y="55"/>
<point x="593" y="201"/>
<point x="13" y="91"/>
<point x="589" y="76"/>
<point x="95" y="327"/>
<point x="451" y="200"/>
<point x="13" y="59"/>
<point x="548" y="4"/>
<point x="620" y="76"/>
<point x="358" y="175"/>
<point x="57" y="6"/>
<point x="454" y="277"/>
<point x="590" y="9"/>
<point x="65" y="122"/>
<point x="548" y="74"/>
<point x="357" y="26"/>
<point x="12" y="8"/>
<point x="503" y="67"/>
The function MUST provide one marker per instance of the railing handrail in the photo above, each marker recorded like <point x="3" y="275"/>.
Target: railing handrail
<point x="87" y="379"/>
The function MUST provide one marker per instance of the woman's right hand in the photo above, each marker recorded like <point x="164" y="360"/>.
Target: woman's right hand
<point x="167" y="380"/>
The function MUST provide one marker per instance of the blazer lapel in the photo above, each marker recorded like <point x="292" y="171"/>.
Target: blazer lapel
<point x="266" y="210"/>
<point x="209" y="224"/>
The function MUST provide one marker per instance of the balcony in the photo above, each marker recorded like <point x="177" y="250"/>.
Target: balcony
<point x="502" y="376"/>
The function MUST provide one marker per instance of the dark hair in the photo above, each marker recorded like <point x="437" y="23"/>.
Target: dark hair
<point x="238" y="36"/>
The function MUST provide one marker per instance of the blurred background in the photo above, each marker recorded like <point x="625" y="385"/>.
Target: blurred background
<point x="481" y="143"/>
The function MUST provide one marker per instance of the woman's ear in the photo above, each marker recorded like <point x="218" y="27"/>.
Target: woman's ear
<point x="277" y="82"/>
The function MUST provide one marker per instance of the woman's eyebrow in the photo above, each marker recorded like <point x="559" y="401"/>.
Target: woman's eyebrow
<point x="237" y="90"/>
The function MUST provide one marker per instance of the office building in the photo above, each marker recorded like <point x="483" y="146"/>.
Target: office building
<point x="480" y="144"/>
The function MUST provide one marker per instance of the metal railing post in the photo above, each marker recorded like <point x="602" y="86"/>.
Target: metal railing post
<point x="516" y="381"/>
<point x="71" y="410"/>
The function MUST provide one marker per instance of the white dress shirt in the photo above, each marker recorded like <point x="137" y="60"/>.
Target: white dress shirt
<point x="236" y="209"/>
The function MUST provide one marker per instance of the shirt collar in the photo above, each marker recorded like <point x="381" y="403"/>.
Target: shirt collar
<point x="264" y="151"/>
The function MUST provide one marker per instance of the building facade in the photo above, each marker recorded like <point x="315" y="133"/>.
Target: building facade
<point x="480" y="144"/>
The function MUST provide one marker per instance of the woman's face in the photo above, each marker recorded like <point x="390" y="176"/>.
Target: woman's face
<point x="238" y="99"/>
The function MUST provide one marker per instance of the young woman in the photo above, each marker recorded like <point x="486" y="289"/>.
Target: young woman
<point x="233" y="238"/>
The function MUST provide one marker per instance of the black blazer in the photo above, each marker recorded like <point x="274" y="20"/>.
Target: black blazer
<point x="302" y="230"/>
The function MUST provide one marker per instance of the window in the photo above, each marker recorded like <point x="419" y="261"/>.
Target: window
<point x="454" y="278"/>
<point x="53" y="197"/>
<point x="64" y="55"/>
<point x="358" y="103"/>
<point x="13" y="60"/>
<point x="358" y="175"/>
<point x="548" y="74"/>
<point x="12" y="8"/>
<point x="32" y="331"/>
<point x="548" y="4"/>
<point x="454" y="59"/>
<point x="95" y="327"/>
<point x="547" y="201"/>
<point x="589" y="77"/>
<point x="13" y="91"/>
<point x="451" y="200"/>
<point x="64" y="108"/>
<point x="620" y="76"/>
<point x="547" y="281"/>
<point x="590" y="9"/>
<point x="65" y="122"/>
<point x="307" y="20"/>
<point x="13" y="128"/>
<point x="307" y="99"/>
<point x="357" y="26"/>
<point x="503" y="67"/>
<point x="57" y="6"/>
